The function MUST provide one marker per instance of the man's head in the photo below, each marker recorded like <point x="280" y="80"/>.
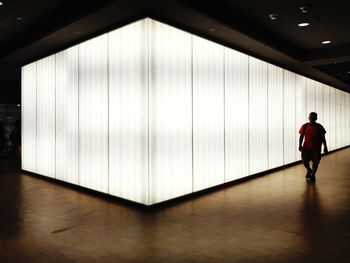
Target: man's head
<point x="312" y="117"/>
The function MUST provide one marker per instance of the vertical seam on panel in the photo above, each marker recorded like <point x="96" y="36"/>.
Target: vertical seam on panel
<point x="21" y="119"/>
<point x="315" y="96"/>
<point x="248" y="65"/>
<point x="305" y="99"/>
<point x="55" y="173"/>
<point x="321" y="103"/>
<point x="283" y="112"/>
<point x="108" y="161"/>
<point x="296" y="144"/>
<point x="78" y="62"/>
<point x="36" y="117"/>
<point x="335" y="119"/>
<point x="192" y="112"/>
<point x="148" y="118"/>
<point x="224" y="93"/>
<point x="267" y="115"/>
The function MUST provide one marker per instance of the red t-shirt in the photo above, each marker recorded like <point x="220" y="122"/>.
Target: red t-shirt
<point x="313" y="135"/>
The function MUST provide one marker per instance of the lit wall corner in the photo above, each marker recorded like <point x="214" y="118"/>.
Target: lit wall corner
<point x="208" y="114"/>
<point x="28" y="113"/>
<point x="67" y="115"/>
<point x="46" y="116"/>
<point x="289" y="119"/>
<point x="128" y="112"/>
<point x="275" y="115"/>
<point x="170" y="112"/>
<point x="258" y="134"/>
<point x="93" y="114"/>
<point x="300" y="107"/>
<point x="236" y="115"/>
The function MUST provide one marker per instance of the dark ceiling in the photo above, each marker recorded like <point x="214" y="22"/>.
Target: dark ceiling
<point x="31" y="29"/>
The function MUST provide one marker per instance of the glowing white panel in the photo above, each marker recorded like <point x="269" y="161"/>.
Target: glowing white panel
<point x="310" y="96"/>
<point x="343" y="115"/>
<point x="332" y="142"/>
<point x="300" y="107"/>
<point x="67" y="115"/>
<point x="236" y="115"/>
<point x="289" y="112"/>
<point x="319" y="102"/>
<point x="347" y="117"/>
<point x="128" y="112"/>
<point x="28" y="107"/>
<point x="170" y="112"/>
<point x="258" y="135"/>
<point x="275" y="115"/>
<point x="338" y="120"/>
<point x="208" y="114"/>
<point x="46" y="116"/>
<point x="93" y="114"/>
<point x="326" y="111"/>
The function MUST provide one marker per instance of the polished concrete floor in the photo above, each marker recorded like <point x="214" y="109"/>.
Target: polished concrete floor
<point x="275" y="218"/>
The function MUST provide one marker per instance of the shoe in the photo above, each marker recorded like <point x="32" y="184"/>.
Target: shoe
<point x="312" y="178"/>
<point x="308" y="175"/>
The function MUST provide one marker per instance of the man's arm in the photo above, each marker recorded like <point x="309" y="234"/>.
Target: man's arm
<point x="301" y="138"/>
<point x="325" y="148"/>
<point x="323" y="139"/>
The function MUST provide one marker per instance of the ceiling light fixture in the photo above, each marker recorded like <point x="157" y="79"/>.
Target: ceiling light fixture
<point x="273" y="16"/>
<point x="1" y="3"/>
<point x="303" y="9"/>
<point x="304" y="24"/>
<point x="326" y="42"/>
<point x="19" y="18"/>
<point x="212" y="29"/>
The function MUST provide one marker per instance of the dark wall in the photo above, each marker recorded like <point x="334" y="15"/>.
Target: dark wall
<point x="10" y="90"/>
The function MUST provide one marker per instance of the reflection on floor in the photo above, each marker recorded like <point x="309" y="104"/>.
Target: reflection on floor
<point x="275" y="218"/>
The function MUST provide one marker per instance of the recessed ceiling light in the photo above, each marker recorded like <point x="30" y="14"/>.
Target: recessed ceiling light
<point x="304" y="24"/>
<point x="273" y="16"/>
<point x="18" y="105"/>
<point x="19" y="18"/>
<point x="303" y="9"/>
<point x="1" y="3"/>
<point x="326" y="42"/>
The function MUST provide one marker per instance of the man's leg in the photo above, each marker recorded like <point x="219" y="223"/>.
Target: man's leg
<point x="305" y="157"/>
<point x="314" y="168"/>
<point x="316" y="156"/>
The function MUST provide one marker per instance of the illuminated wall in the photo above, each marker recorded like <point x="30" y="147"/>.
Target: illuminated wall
<point x="170" y="112"/>
<point x="208" y="114"/>
<point x="149" y="112"/>
<point x="66" y="119"/>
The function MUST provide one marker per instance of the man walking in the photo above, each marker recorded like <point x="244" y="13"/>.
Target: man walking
<point x="314" y="135"/>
